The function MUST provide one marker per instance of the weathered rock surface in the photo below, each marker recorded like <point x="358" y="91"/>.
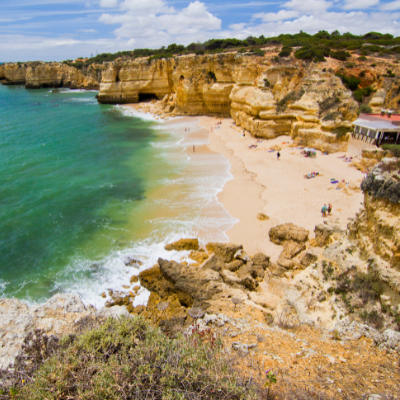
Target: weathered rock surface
<point x="376" y="228"/>
<point x="322" y="234"/>
<point x="226" y="251"/>
<point x="265" y="98"/>
<point x="288" y="232"/>
<point x="183" y="244"/>
<point x="58" y="316"/>
<point x="35" y="75"/>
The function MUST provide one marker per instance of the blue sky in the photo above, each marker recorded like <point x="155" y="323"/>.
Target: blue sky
<point x="55" y="30"/>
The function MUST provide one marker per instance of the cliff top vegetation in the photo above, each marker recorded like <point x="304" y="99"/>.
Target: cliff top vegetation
<point x="308" y="47"/>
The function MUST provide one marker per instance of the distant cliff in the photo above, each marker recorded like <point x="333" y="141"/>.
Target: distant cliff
<point x="36" y="75"/>
<point x="266" y="97"/>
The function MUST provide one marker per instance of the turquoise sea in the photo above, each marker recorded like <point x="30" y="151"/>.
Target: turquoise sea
<point x="84" y="187"/>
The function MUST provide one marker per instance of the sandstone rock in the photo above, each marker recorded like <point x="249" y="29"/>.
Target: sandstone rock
<point x="281" y="233"/>
<point x="183" y="244"/>
<point x="322" y="234"/>
<point x="262" y="217"/>
<point x="234" y="265"/>
<point x="291" y="249"/>
<point x="118" y="299"/>
<point x="198" y="256"/>
<point x="254" y="270"/>
<point x="308" y="258"/>
<point x="134" y="279"/>
<point x="277" y="270"/>
<point x="241" y="255"/>
<point x="215" y="263"/>
<point x="226" y="251"/>
<point x="131" y="262"/>
<point x="261" y="259"/>
<point x="58" y="316"/>
<point x="103" y="295"/>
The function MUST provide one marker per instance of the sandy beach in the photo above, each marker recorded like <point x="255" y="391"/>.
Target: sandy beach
<point x="277" y="188"/>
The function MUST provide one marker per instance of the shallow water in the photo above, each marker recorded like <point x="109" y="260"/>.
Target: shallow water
<point x="84" y="185"/>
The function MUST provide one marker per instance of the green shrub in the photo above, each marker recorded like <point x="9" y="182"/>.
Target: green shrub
<point x="363" y="58"/>
<point x="394" y="148"/>
<point x="267" y="83"/>
<point x="341" y="131"/>
<point x="373" y="65"/>
<point x="340" y="55"/>
<point x="373" y="318"/>
<point x="286" y="51"/>
<point x="129" y="359"/>
<point x="349" y="65"/>
<point x="362" y="74"/>
<point x="350" y="82"/>
<point x="331" y="116"/>
<point x="359" y="94"/>
<point x="365" y="109"/>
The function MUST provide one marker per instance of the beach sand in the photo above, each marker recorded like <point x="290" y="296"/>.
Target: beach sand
<point x="277" y="188"/>
<point x="262" y="184"/>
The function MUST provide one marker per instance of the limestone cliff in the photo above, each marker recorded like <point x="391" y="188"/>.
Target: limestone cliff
<point x="2" y="76"/>
<point x="265" y="97"/>
<point x="377" y="227"/>
<point x="36" y="75"/>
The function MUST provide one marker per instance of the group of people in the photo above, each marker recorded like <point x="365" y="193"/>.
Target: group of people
<point x="326" y="210"/>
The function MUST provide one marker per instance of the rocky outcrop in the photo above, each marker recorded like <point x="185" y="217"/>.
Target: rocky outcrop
<point x="2" y="74"/>
<point x="288" y="232"/>
<point x="183" y="244"/>
<point x="376" y="227"/>
<point x="59" y="316"/>
<point x="36" y="75"/>
<point x="266" y="98"/>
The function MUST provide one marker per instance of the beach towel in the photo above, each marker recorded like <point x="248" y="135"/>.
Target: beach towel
<point x="271" y="151"/>
<point x="334" y="181"/>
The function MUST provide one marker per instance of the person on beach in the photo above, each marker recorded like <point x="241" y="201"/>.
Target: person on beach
<point x="329" y="208"/>
<point x="194" y="148"/>
<point x="244" y="133"/>
<point x="323" y="210"/>
<point x="278" y="155"/>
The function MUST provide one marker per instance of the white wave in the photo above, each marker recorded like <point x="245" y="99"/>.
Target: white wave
<point x="3" y="285"/>
<point x="73" y="91"/>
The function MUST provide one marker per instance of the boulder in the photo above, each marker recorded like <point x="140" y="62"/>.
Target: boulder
<point x="198" y="256"/>
<point x="215" y="263"/>
<point x="118" y="299"/>
<point x="277" y="270"/>
<point x="322" y="234"/>
<point x="234" y="265"/>
<point x="261" y="259"/>
<point x="282" y="233"/>
<point x="134" y="279"/>
<point x="308" y="258"/>
<point x="183" y="244"/>
<point x="254" y="270"/>
<point x="291" y="249"/>
<point x="262" y="217"/>
<point x="155" y="281"/>
<point x="226" y="251"/>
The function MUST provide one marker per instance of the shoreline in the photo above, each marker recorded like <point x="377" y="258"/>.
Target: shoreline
<point x="262" y="184"/>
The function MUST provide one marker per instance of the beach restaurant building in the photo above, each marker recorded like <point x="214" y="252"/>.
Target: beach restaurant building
<point x="378" y="128"/>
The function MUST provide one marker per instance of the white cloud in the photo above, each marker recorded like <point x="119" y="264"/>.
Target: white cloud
<point x="159" y="24"/>
<point x="359" y="4"/>
<point x="279" y="16"/>
<point x="308" y="5"/>
<point x="392" y="6"/>
<point x="108" y="3"/>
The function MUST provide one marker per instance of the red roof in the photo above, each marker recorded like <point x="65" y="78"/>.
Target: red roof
<point x="393" y="117"/>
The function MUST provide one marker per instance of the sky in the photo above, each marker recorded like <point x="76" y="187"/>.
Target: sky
<point x="56" y="30"/>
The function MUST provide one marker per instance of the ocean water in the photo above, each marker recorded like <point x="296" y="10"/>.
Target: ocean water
<point x="84" y="187"/>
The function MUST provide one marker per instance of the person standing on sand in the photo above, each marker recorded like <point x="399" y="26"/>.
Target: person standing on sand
<point x="278" y="155"/>
<point x="329" y="208"/>
<point x="194" y="148"/>
<point x="323" y="210"/>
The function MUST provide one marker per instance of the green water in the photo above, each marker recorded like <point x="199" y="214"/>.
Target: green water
<point x="73" y="172"/>
<point x="84" y="187"/>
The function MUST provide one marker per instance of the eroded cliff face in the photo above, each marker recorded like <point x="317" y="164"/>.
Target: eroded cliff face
<point x="376" y="228"/>
<point x="264" y="97"/>
<point x="38" y="75"/>
<point x="2" y="76"/>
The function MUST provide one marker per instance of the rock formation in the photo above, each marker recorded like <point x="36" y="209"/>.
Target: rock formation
<point x="376" y="228"/>
<point x="266" y="98"/>
<point x="60" y="315"/>
<point x="36" y="75"/>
